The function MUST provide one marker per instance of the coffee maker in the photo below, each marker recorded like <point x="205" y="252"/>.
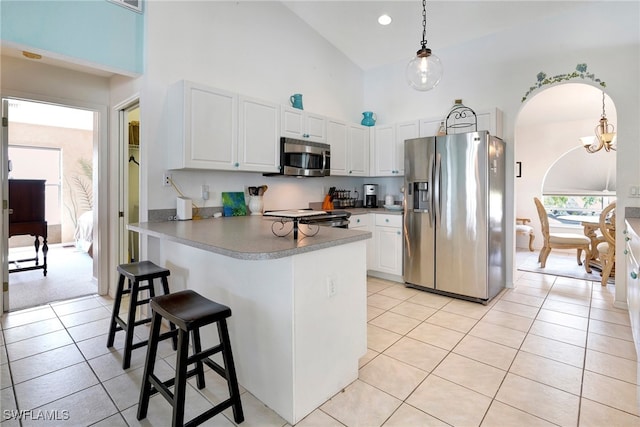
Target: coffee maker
<point x="371" y="195"/>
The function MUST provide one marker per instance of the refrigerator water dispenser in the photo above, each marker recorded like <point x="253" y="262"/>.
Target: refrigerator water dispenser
<point x="420" y="196"/>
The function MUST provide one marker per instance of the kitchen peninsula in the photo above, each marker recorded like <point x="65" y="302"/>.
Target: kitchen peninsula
<point x="298" y="326"/>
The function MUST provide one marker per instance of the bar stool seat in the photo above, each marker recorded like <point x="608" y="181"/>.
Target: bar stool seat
<point x="135" y="273"/>
<point x="189" y="311"/>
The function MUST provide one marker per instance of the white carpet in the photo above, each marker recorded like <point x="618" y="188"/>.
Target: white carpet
<point x="559" y="263"/>
<point x="69" y="275"/>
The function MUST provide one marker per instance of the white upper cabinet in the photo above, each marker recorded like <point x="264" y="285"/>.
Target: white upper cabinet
<point x="218" y="130"/>
<point x="388" y="143"/>
<point x="300" y="124"/>
<point x="358" y="151"/>
<point x="490" y="120"/>
<point x="349" y="148"/>
<point x="203" y="127"/>
<point x="258" y="135"/>
<point x="337" y="136"/>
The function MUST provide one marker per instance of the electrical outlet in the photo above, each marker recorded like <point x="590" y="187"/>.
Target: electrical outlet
<point x="331" y="287"/>
<point x="166" y="179"/>
<point x="205" y="192"/>
<point x="634" y="191"/>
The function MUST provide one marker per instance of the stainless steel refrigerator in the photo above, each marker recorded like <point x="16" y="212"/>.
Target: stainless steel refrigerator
<point x="454" y="215"/>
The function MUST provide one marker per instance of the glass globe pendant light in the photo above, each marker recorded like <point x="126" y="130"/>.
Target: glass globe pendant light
<point x="424" y="71"/>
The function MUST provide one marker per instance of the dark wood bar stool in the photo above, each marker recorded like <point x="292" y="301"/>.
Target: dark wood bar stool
<point x="135" y="273"/>
<point x="189" y="311"/>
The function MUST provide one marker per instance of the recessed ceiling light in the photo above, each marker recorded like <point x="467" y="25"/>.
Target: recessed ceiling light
<point x="384" y="19"/>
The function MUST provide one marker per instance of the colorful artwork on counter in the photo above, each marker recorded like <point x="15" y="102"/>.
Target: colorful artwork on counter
<point x="233" y="204"/>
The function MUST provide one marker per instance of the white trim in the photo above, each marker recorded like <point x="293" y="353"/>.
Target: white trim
<point x="128" y="5"/>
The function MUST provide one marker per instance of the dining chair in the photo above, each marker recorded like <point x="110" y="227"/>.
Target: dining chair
<point x="607" y="248"/>
<point x="576" y="241"/>
<point x="527" y="230"/>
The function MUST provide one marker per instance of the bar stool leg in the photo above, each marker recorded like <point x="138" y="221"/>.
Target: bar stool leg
<point x="116" y="310"/>
<point x="232" y="380"/>
<point x="197" y="348"/>
<point x="181" y="379"/>
<point x="152" y="349"/>
<point x="165" y="288"/>
<point x="131" y="320"/>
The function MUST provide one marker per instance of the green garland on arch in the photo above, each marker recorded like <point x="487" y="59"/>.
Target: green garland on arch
<point x="580" y="72"/>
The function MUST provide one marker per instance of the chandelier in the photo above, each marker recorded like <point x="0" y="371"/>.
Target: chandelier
<point x="424" y="71"/>
<point x="605" y="135"/>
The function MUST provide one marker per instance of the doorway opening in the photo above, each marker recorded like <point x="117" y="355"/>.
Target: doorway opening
<point x="130" y="165"/>
<point x="54" y="144"/>
<point x="574" y="185"/>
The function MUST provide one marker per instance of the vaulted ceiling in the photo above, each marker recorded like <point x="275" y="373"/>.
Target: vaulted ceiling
<point x="352" y="26"/>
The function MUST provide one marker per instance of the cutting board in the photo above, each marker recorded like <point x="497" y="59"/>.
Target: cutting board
<point x="233" y="203"/>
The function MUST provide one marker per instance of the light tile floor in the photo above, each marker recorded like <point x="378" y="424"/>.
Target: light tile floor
<point x="552" y="351"/>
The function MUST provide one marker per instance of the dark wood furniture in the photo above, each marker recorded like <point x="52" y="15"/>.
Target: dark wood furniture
<point x="189" y="311"/>
<point x="135" y="274"/>
<point x="26" y="216"/>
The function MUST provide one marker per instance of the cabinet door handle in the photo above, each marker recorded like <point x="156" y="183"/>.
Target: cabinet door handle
<point x="627" y="239"/>
<point x="633" y="275"/>
<point x="398" y="232"/>
<point x="386" y="220"/>
<point x="626" y="252"/>
<point x="625" y="231"/>
<point x="358" y="220"/>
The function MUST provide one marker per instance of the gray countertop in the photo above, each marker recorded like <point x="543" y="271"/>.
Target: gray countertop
<point x="360" y="211"/>
<point x="247" y="237"/>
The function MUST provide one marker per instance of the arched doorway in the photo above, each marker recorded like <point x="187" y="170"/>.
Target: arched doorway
<point x="547" y="145"/>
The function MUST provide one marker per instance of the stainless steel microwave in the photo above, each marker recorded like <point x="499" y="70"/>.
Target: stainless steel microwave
<point x="299" y="157"/>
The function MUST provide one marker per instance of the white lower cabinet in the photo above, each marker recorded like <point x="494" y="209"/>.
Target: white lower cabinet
<point x="632" y="252"/>
<point x="363" y="222"/>
<point x="388" y="244"/>
<point x="384" y="249"/>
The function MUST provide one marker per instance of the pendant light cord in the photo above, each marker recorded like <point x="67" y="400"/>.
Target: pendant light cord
<point x="424" y="24"/>
<point x="604" y="115"/>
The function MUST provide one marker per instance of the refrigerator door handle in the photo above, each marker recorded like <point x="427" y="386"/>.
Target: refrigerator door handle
<point x="430" y="192"/>
<point x="436" y="191"/>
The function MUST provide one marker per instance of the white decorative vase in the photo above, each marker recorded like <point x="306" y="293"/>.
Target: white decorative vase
<point x="256" y="204"/>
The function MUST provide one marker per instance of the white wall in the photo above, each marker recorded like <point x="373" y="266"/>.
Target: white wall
<point x="41" y="82"/>
<point x="496" y="71"/>
<point x="260" y="49"/>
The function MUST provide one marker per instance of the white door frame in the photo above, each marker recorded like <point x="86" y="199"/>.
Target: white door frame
<point x="100" y="178"/>
<point x="4" y="198"/>
<point x="121" y="111"/>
